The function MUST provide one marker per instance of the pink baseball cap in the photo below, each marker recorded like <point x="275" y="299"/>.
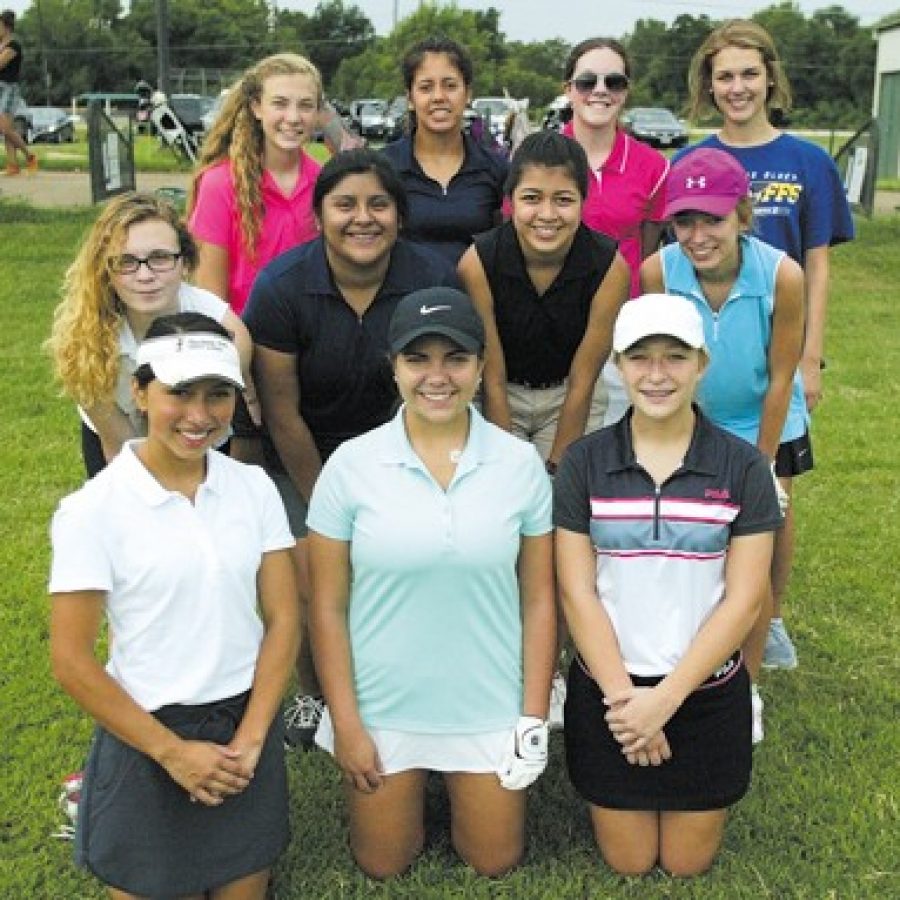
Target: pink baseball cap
<point x="706" y="180"/>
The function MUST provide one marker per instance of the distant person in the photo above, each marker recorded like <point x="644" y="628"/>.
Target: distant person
<point x="184" y="552"/>
<point x="433" y="618"/>
<point x="454" y="184"/>
<point x="10" y="96"/>
<point x="799" y="206"/>
<point x="663" y="542"/>
<point x="627" y="178"/>
<point x="750" y="297"/>
<point x="319" y="317"/>
<point x="130" y="270"/>
<point x="251" y="197"/>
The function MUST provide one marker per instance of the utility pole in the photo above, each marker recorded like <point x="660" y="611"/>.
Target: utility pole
<point x="162" y="46"/>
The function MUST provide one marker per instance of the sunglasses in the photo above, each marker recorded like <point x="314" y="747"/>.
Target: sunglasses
<point x="586" y="82"/>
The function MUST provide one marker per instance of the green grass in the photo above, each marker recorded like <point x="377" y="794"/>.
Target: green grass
<point x="822" y="817"/>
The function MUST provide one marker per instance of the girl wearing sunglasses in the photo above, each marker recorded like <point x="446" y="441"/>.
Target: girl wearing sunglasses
<point x="627" y="178"/>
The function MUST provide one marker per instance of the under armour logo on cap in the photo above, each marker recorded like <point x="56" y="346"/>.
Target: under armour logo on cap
<point x="706" y="180"/>
<point x="699" y="181"/>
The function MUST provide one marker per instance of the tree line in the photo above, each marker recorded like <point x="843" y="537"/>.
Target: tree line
<point x="74" y="46"/>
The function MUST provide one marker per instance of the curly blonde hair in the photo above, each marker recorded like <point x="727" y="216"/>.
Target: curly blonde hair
<point x="747" y="35"/>
<point x="238" y="136"/>
<point x="84" y="340"/>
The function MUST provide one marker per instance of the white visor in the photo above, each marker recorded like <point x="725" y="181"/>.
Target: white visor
<point x="180" y="358"/>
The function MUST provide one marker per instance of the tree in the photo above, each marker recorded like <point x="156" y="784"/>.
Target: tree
<point x="333" y="33"/>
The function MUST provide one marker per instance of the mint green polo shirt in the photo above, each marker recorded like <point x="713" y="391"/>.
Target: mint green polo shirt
<point x="434" y="614"/>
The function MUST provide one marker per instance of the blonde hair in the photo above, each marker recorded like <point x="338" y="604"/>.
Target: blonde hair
<point x="748" y="36"/>
<point x="84" y="339"/>
<point x="238" y="136"/>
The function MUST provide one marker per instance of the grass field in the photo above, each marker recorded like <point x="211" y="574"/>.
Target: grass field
<point x="822" y="816"/>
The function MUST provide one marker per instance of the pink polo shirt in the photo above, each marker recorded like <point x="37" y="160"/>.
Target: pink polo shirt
<point x="287" y="222"/>
<point x="628" y="189"/>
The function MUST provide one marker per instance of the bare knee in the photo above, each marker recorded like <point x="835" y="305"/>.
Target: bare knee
<point x="490" y="862"/>
<point x="381" y="863"/>
<point x="687" y="865"/>
<point x="629" y="861"/>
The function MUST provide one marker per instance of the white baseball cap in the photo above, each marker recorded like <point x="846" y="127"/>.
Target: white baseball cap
<point x="180" y="358"/>
<point x="658" y="314"/>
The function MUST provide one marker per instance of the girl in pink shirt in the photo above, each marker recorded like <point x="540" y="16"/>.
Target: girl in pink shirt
<point x="252" y="195"/>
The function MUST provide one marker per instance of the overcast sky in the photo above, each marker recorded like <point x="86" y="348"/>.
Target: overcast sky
<point x="573" y="20"/>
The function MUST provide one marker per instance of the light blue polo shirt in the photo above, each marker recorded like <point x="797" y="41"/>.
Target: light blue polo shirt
<point x="434" y="615"/>
<point x="734" y="385"/>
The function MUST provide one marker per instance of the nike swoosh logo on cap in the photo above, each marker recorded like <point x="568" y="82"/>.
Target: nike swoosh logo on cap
<point x="428" y="310"/>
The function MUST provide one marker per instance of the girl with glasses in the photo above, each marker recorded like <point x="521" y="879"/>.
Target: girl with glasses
<point x="179" y="548"/>
<point x="129" y="270"/>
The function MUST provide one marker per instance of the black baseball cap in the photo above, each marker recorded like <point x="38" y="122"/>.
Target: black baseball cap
<point x="436" y="310"/>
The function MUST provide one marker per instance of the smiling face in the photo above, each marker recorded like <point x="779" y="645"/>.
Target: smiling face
<point x="287" y="111"/>
<point x="359" y="222"/>
<point x="146" y="294"/>
<point x="740" y="85"/>
<point x="600" y="108"/>
<point x="437" y="379"/>
<point x="661" y="374"/>
<point x="438" y="94"/>
<point x="709" y="242"/>
<point x="185" y="421"/>
<point x="546" y="211"/>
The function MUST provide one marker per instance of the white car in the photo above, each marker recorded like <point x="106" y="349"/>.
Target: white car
<point x="494" y="111"/>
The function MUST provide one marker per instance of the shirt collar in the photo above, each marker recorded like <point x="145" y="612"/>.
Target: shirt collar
<point x="578" y="263"/>
<point x="408" y="162"/>
<point x="618" y="156"/>
<point x="700" y="456"/>
<point x="396" y="449"/>
<point x="135" y="476"/>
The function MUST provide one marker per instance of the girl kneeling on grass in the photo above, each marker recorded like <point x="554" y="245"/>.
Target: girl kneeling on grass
<point x="433" y="620"/>
<point x="663" y="541"/>
<point x="182" y="549"/>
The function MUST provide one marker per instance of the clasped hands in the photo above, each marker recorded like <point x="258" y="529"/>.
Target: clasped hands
<point x="211" y="773"/>
<point x="636" y="717"/>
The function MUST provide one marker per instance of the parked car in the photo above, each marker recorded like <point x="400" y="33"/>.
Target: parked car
<point x="655" y="126"/>
<point x="209" y="117"/>
<point x="395" y="118"/>
<point x="494" y="111"/>
<point x="370" y="118"/>
<point x="44" y="123"/>
<point x="190" y="109"/>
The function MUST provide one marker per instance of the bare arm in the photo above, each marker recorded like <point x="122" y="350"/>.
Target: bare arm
<point x="113" y="427"/>
<point x="212" y="269"/>
<point x="816" y="270"/>
<point x="494" y="399"/>
<point x="7" y="55"/>
<point x="207" y="771"/>
<point x="652" y="281"/>
<point x="651" y="235"/>
<point x="279" y="394"/>
<point x="784" y="354"/>
<point x="592" y="352"/>
<point x="638" y="714"/>
<point x="354" y="750"/>
<point x="538" y="622"/>
<point x="280" y="611"/>
<point x="244" y="344"/>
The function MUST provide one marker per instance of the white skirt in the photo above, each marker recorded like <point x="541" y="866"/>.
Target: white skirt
<point x="401" y="751"/>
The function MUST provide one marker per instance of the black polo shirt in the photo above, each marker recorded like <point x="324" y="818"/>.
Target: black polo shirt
<point x="346" y="384"/>
<point x="540" y="333"/>
<point x="447" y="220"/>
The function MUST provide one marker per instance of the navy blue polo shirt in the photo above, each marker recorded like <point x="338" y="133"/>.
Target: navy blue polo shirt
<point x="447" y="220"/>
<point x="540" y="333"/>
<point x="346" y="384"/>
<point x="661" y="549"/>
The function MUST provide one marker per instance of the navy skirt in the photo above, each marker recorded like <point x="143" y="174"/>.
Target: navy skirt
<point x="139" y="831"/>
<point x="709" y="737"/>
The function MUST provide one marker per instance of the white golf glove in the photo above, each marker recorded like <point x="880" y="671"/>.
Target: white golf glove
<point x="784" y="501"/>
<point x="526" y="754"/>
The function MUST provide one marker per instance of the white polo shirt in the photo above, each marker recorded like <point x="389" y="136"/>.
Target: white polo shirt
<point x="434" y="617"/>
<point x="179" y="577"/>
<point x="190" y="299"/>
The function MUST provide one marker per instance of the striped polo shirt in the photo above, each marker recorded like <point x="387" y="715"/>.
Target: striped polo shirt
<point x="661" y="549"/>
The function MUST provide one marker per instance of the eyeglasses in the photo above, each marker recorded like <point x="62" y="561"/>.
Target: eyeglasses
<point x="156" y="261"/>
<point x="586" y="82"/>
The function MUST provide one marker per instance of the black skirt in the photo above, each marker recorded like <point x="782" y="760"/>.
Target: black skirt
<point x="139" y="831"/>
<point x="709" y="737"/>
